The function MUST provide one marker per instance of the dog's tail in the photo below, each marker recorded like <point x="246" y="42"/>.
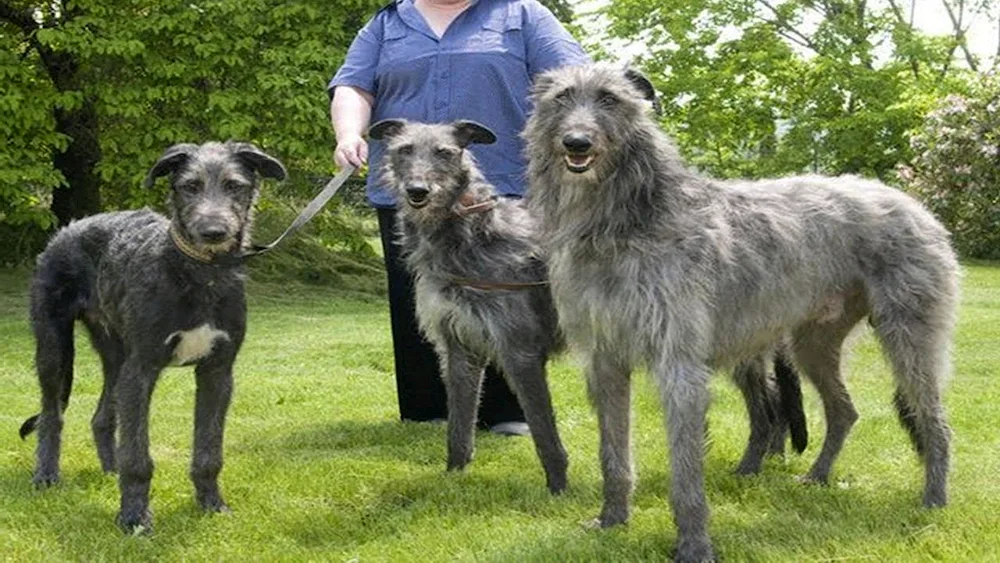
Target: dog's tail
<point x="55" y="300"/>
<point x="790" y="401"/>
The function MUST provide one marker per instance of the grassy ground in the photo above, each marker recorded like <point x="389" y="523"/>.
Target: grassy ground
<point x="319" y="468"/>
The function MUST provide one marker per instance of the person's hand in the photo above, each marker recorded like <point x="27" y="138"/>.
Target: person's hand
<point x="351" y="151"/>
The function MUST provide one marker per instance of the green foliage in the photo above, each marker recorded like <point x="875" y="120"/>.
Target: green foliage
<point x="756" y="89"/>
<point x="956" y="167"/>
<point x="166" y="72"/>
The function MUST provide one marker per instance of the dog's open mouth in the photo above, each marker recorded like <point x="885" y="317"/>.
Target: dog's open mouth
<point x="579" y="163"/>
<point x="417" y="201"/>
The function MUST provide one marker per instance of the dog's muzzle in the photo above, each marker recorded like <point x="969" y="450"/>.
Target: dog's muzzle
<point x="417" y="195"/>
<point x="579" y="152"/>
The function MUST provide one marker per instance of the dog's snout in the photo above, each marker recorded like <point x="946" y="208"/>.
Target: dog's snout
<point x="417" y="191"/>
<point x="577" y="142"/>
<point x="213" y="233"/>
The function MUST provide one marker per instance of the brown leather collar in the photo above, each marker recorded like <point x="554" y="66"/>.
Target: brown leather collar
<point x="187" y="248"/>
<point x="493" y="285"/>
<point x="467" y="205"/>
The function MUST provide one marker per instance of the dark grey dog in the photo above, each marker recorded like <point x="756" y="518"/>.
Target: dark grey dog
<point x="480" y="290"/>
<point x="480" y="295"/>
<point x="152" y="292"/>
<point x="652" y="264"/>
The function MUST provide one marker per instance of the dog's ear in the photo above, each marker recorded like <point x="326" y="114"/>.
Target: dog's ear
<point x="261" y="162"/>
<point x="386" y="129"/>
<point x="470" y="132"/>
<point x="169" y="161"/>
<point x="645" y="87"/>
<point x="543" y="82"/>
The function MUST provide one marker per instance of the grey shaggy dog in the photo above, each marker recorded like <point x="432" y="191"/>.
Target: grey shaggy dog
<point x="458" y="240"/>
<point x="481" y="295"/>
<point x="652" y="264"/>
<point x="152" y="292"/>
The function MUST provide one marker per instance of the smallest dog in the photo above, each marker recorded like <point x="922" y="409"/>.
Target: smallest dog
<point x="152" y="292"/>
<point x="480" y="290"/>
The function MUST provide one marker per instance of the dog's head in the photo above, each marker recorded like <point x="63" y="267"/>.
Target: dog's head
<point x="426" y="165"/>
<point x="585" y="114"/>
<point x="213" y="190"/>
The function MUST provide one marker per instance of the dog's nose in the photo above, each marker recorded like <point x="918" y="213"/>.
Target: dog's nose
<point x="417" y="191"/>
<point x="213" y="234"/>
<point x="577" y="142"/>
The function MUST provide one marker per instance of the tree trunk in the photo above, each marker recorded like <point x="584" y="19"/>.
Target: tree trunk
<point x="81" y="196"/>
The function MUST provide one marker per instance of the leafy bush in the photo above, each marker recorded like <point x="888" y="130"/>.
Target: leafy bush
<point x="956" y="167"/>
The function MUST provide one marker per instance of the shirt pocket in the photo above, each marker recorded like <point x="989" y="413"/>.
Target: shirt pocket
<point x="500" y="33"/>
<point x="396" y="45"/>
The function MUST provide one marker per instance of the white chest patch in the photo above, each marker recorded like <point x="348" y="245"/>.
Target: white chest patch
<point x="193" y="345"/>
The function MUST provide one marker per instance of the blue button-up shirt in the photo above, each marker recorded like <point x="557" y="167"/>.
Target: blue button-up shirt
<point x="480" y="69"/>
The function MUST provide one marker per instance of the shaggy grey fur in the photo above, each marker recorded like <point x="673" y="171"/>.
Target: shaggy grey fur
<point x="147" y="305"/>
<point x="431" y="174"/>
<point x="654" y="265"/>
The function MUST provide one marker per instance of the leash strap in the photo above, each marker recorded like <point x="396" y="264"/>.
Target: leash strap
<point x="487" y="285"/>
<point x="308" y="213"/>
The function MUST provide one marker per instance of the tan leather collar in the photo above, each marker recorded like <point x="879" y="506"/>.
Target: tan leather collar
<point x="187" y="248"/>
<point x="467" y="205"/>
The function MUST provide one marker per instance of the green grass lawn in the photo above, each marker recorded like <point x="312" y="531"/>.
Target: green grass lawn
<point x="318" y="467"/>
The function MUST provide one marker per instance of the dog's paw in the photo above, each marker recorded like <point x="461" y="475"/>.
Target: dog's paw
<point x="214" y="505"/>
<point x="694" y="551"/>
<point x="810" y="479"/>
<point x="45" y="479"/>
<point x="136" y="523"/>
<point x="610" y="518"/>
<point x="747" y="469"/>
<point x="556" y="485"/>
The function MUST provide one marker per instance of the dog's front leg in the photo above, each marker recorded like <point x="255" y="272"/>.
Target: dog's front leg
<point x="463" y="379"/>
<point x="684" y="394"/>
<point x="135" y="468"/>
<point x="608" y="384"/>
<point x="214" y="380"/>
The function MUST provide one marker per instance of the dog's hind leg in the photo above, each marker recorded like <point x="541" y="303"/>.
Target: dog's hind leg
<point x="135" y="468"/>
<point x="214" y="379"/>
<point x="463" y="379"/>
<point x="817" y="350"/>
<point x="54" y="361"/>
<point x="102" y="424"/>
<point x="751" y="379"/>
<point x="608" y="384"/>
<point x="526" y="377"/>
<point x="918" y="352"/>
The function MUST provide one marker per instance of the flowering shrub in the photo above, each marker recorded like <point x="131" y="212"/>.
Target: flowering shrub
<point x="956" y="167"/>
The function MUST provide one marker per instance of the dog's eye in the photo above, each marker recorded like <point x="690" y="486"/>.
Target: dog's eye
<point x="445" y="152"/>
<point x="189" y="187"/>
<point x="235" y="186"/>
<point x="405" y="150"/>
<point x="607" y="99"/>
<point x="565" y="96"/>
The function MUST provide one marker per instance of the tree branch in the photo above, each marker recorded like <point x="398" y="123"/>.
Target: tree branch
<point x="956" y="24"/>
<point x="790" y="31"/>
<point x="914" y="65"/>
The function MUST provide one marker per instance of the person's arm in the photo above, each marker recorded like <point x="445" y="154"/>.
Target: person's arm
<point x="350" y="112"/>
<point x="351" y="95"/>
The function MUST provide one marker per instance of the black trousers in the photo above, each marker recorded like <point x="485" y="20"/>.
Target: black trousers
<point x="419" y="387"/>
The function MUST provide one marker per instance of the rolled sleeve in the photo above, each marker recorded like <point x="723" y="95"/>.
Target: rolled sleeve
<point x="548" y="43"/>
<point x="361" y="61"/>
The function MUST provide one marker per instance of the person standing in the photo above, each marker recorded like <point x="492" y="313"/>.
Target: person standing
<point x="440" y="61"/>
